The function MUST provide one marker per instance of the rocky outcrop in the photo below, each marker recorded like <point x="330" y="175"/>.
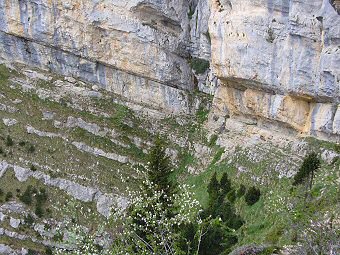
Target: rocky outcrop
<point x="138" y="49"/>
<point x="279" y="61"/>
<point x="85" y="194"/>
<point x="273" y="61"/>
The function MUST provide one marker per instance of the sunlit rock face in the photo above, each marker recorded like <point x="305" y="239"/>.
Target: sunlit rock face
<point x="279" y="61"/>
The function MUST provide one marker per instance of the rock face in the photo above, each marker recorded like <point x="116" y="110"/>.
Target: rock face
<point x="279" y="61"/>
<point x="274" y="61"/>
<point x="138" y="49"/>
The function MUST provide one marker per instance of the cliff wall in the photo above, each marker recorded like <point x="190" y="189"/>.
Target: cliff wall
<point x="272" y="61"/>
<point x="134" y="48"/>
<point x="278" y="61"/>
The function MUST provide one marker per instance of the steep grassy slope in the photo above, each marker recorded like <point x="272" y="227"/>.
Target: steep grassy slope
<point x="71" y="131"/>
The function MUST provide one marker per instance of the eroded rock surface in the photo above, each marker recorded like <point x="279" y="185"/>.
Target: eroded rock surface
<point x="279" y="61"/>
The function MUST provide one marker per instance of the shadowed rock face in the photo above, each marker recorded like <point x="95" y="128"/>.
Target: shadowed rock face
<point x="125" y="46"/>
<point x="279" y="61"/>
<point x="135" y="36"/>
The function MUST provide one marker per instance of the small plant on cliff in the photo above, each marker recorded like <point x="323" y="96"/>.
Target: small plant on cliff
<point x="26" y="197"/>
<point x="191" y="12"/>
<point x="9" y="141"/>
<point x="199" y="65"/>
<point x="9" y="196"/>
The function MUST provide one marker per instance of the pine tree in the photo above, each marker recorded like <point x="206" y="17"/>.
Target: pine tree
<point x="215" y="197"/>
<point x="213" y="187"/>
<point x="159" y="168"/>
<point x="306" y="172"/>
<point x="225" y="184"/>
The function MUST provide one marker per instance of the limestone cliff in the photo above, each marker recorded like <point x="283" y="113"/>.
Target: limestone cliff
<point x="138" y="49"/>
<point x="279" y="60"/>
<point x="273" y="62"/>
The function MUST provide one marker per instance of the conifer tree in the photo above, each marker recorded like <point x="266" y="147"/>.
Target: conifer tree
<point x="225" y="184"/>
<point x="214" y="193"/>
<point x="306" y="172"/>
<point x="159" y="168"/>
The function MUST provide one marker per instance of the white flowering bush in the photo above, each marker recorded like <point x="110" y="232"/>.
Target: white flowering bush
<point x="152" y="222"/>
<point x="80" y="232"/>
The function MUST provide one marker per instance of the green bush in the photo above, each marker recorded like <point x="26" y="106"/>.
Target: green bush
<point x="42" y="196"/>
<point x="31" y="149"/>
<point x="1" y="192"/>
<point x="9" y="141"/>
<point x="9" y="196"/>
<point x="39" y="211"/>
<point x="217" y="239"/>
<point x="199" y="65"/>
<point x="33" y="168"/>
<point x="213" y="140"/>
<point x="22" y="143"/>
<point x="26" y="198"/>
<point x="29" y="220"/>
<point x="252" y="196"/>
<point x="217" y="156"/>
<point x="32" y="252"/>
<point x="1" y="150"/>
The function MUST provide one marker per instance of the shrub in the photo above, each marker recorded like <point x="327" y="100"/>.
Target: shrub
<point x="213" y="140"/>
<point x="252" y="196"/>
<point x="26" y="198"/>
<point x="41" y="197"/>
<point x="31" y="149"/>
<point x="1" y="150"/>
<point x="33" y="168"/>
<point x="199" y="65"/>
<point x="217" y="239"/>
<point x="1" y="192"/>
<point x="29" y="220"/>
<point x="9" y="141"/>
<point x="9" y="196"/>
<point x="39" y="211"/>
<point x="32" y="252"/>
<point x="22" y="143"/>
<point x="217" y="156"/>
